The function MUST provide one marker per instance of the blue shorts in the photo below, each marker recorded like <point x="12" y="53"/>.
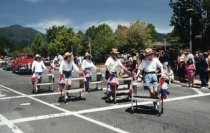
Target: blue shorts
<point x="67" y="74"/>
<point x="38" y="74"/>
<point x="150" y="78"/>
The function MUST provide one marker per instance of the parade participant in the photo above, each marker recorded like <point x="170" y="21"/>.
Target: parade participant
<point x="37" y="69"/>
<point x="66" y="67"/>
<point x="112" y="65"/>
<point x="87" y="67"/>
<point x="150" y="66"/>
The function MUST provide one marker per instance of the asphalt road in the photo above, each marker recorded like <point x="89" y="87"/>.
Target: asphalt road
<point x="187" y="110"/>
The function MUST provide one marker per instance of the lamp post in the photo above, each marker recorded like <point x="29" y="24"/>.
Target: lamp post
<point x="190" y="10"/>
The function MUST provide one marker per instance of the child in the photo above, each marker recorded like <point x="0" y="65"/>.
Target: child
<point x="170" y="74"/>
<point x="190" y="68"/>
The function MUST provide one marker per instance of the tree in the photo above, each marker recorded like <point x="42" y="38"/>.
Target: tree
<point x="39" y="46"/>
<point x="6" y="47"/>
<point x="101" y="39"/>
<point x="61" y="39"/>
<point x="139" y="36"/>
<point x="181" y="17"/>
<point x="121" y="37"/>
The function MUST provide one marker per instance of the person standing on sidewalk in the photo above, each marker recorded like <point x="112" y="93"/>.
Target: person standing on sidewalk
<point x="190" y="68"/>
<point x="202" y="70"/>
<point x="181" y="65"/>
<point x="208" y="62"/>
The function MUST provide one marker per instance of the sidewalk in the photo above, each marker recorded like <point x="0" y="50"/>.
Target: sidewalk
<point x="197" y="83"/>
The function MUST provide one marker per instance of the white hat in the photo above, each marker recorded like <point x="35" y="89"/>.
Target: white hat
<point x="37" y="56"/>
<point x="66" y="54"/>
<point x="87" y="54"/>
<point x="114" y="51"/>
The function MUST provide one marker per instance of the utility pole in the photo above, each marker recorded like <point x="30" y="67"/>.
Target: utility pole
<point x="89" y="44"/>
<point x="190" y="10"/>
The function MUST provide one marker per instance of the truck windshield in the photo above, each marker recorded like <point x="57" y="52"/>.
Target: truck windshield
<point x="25" y="56"/>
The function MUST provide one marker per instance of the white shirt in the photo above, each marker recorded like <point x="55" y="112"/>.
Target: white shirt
<point x="87" y="64"/>
<point x="38" y="66"/>
<point x="190" y="56"/>
<point x="113" y="65"/>
<point x="65" y="66"/>
<point x="150" y="66"/>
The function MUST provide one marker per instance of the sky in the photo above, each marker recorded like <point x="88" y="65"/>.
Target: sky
<point x="81" y="14"/>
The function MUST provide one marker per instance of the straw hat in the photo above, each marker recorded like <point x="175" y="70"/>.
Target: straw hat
<point x="114" y="51"/>
<point x="37" y="56"/>
<point x="148" y="51"/>
<point x="66" y="54"/>
<point x="87" y="54"/>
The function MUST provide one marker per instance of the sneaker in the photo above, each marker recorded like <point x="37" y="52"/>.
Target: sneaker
<point x="203" y="88"/>
<point x="111" y="98"/>
<point x="155" y="104"/>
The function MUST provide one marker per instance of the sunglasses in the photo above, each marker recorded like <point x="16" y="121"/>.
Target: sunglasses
<point x="149" y="54"/>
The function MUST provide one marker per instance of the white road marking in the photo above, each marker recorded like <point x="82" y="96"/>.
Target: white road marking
<point x="197" y="90"/>
<point x="33" y="95"/>
<point x="25" y="104"/>
<point x="66" y="111"/>
<point x="4" y="90"/>
<point x="2" y="95"/>
<point x="96" y="109"/>
<point x="11" y="97"/>
<point x="14" y="128"/>
<point x="34" y="118"/>
<point x="78" y="113"/>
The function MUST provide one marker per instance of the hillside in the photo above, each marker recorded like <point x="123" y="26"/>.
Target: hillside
<point x="17" y="34"/>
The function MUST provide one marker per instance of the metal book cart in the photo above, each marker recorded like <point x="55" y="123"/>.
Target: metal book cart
<point x="123" y="88"/>
<point x="96" y="79"/>
<point x="80" y="89"/>
<point x="137" y="96"/>
<point x="47" y="80"/>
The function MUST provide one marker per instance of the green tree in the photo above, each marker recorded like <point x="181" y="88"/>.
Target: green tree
<point x="61" y="39"/>
<point x="180" y="21"/>
<point x="39" y="45"/>
<point x="140" y="36"/>
<point x="101" y="39"/>
<point x="121" y="37"/>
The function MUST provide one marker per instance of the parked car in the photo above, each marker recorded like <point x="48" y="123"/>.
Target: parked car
<point x="8" y="63"/>
<point x="46" y="61"/>
<point x="23" y="62"/>
<point x="2" y="61"/>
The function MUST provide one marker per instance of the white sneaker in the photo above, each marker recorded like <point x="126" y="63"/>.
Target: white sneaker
<point x="204" y="88"/>
<point x="111" y="98"/>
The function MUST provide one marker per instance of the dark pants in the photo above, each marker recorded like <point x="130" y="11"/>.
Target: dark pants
<point x="204" y="78"/>
<point x="88" y="79"/>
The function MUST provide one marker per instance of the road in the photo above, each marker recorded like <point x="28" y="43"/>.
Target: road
<point x="186" y="110"/>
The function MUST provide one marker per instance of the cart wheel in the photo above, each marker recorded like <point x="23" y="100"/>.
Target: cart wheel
<point x="61" y="99"/>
